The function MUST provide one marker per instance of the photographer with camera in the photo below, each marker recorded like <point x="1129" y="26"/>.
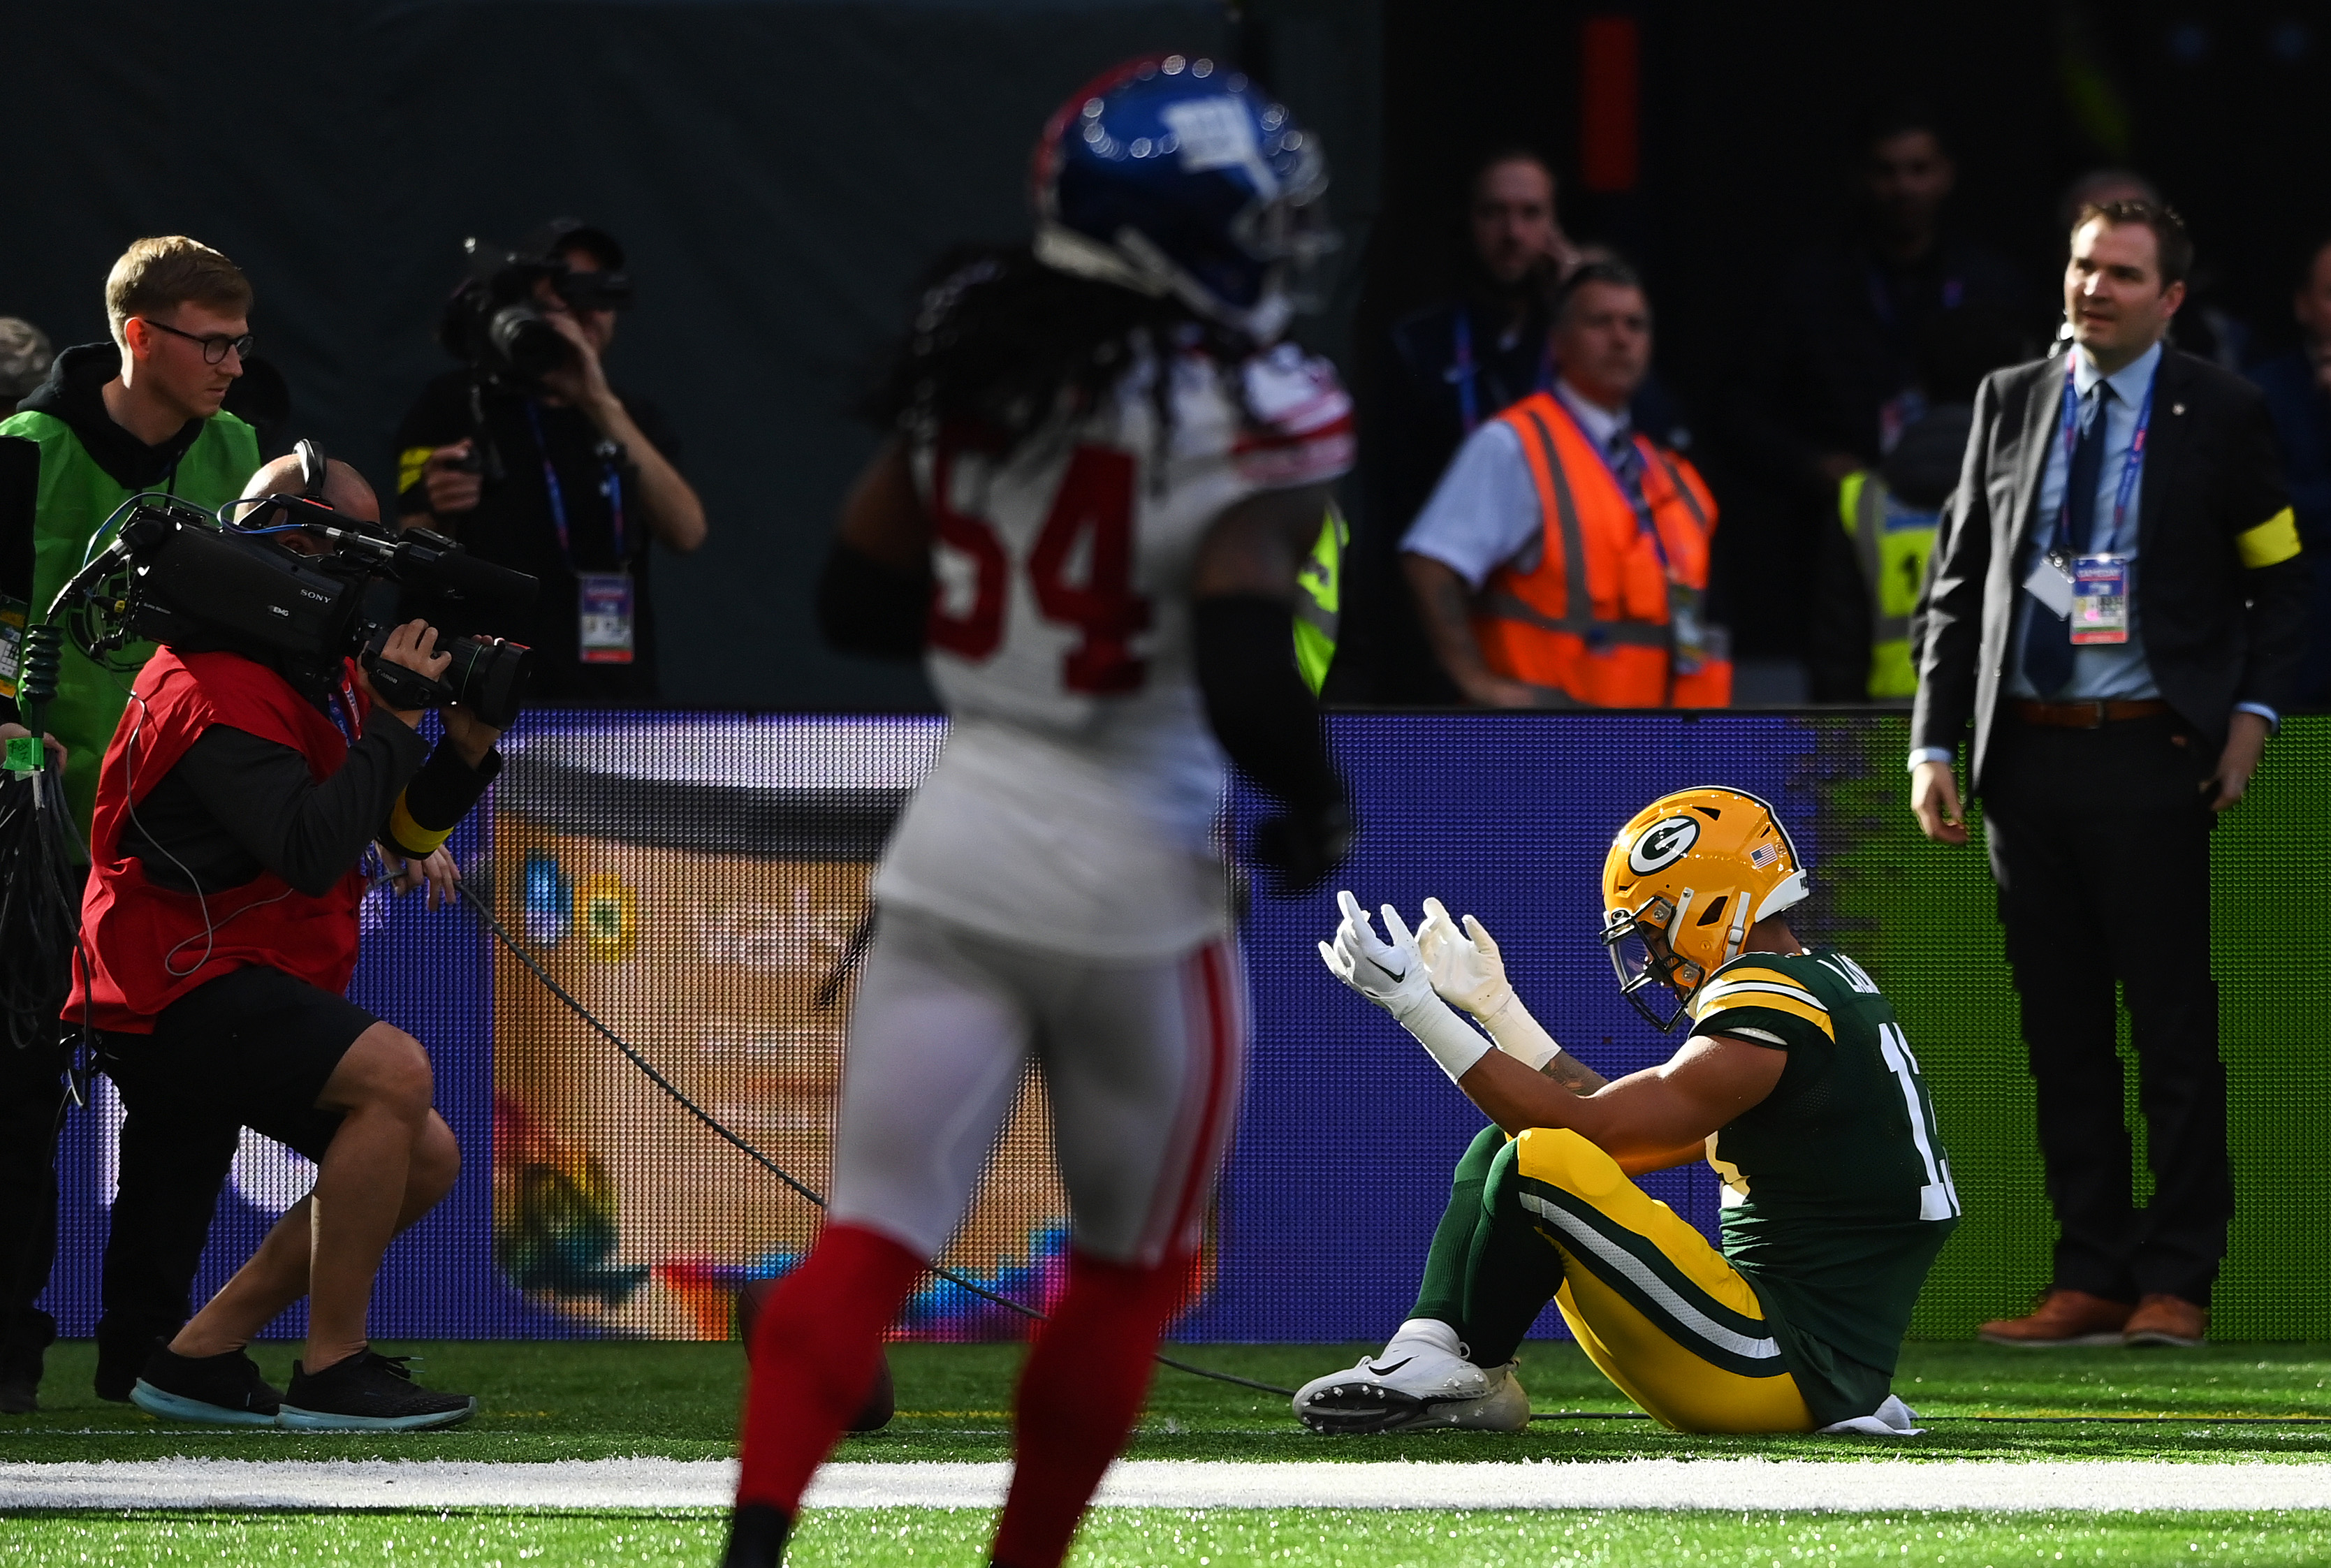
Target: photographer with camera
<point x="533" y="461"/>
<point x="250" y="784"/>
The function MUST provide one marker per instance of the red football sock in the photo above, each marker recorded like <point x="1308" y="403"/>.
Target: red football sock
<point x="814" y="1352"/>
<point x="1080" y="1396"/>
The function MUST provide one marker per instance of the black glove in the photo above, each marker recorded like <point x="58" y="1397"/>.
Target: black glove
<point x="1302" y="847"/>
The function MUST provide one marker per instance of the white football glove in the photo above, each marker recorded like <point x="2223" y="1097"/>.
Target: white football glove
<point x="1467" y="970"/>
<point x="1395" y="976"/>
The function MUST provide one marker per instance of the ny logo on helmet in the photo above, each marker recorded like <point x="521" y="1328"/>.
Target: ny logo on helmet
<point x="1663" y="843"/>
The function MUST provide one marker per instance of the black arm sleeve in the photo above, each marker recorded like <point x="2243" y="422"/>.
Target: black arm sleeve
<point x="307" y="833"/>
<point x="866" y="607"/>
<point x="1257" y="703"/>
<point x="441" y="794"/>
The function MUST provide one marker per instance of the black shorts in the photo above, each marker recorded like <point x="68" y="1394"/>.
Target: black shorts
<point x="254" y="1048"/>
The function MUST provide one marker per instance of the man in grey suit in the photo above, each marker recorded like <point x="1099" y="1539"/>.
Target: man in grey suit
<point x="2117" y="609"/>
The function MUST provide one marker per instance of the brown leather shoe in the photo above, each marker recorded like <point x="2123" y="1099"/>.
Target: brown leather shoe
<point x="2169" y="1320"/>
<point x="2062" y="1317"/>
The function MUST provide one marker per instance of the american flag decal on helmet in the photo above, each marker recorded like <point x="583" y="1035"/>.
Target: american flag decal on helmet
<point x="1763" y="855"/>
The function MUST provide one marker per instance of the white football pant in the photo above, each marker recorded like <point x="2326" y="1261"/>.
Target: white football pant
<point x="1142" y="1063"/>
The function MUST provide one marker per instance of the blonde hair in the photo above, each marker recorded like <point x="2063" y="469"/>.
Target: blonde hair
<point x="160" y="273"/>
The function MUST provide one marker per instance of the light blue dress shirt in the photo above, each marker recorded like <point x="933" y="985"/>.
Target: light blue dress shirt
<point x="1484" y="512"/>
<point x="2108" y="672"/>
<point x="2101" y="672"/>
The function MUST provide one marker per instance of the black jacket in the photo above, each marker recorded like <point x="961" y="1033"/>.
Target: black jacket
<point x="2216" y="633"/>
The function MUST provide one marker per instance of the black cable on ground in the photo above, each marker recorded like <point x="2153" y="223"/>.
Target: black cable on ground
<point x="679" y="1098"/>
<point x="1636" y="1415"/>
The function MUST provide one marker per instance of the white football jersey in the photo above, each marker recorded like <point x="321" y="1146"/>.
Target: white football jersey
<point x="1072" y="806"/>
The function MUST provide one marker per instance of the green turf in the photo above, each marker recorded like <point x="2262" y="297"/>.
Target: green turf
<point x="1179" y="1538"/>
<point x="584" y="1400"/>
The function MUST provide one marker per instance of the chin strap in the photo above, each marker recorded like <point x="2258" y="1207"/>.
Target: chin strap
<point x="1738" y="934"/>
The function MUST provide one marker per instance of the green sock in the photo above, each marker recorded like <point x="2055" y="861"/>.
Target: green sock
<point x="1511" y="1271"/>
<point x="1441" y="1295"/>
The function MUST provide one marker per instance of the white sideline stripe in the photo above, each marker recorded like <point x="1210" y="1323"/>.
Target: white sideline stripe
<point x="1764" y="1486"/>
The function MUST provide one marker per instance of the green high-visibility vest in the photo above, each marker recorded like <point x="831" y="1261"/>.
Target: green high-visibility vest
<point x="1319" y="600"/>
<point x="76" y="497"/>
<point x="1891" y="542"/>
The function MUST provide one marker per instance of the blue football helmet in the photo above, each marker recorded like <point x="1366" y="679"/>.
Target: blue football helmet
<point x="1173" y="176"/>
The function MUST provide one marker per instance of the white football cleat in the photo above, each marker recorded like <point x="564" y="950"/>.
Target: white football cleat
<point x="1421" y="1381"/>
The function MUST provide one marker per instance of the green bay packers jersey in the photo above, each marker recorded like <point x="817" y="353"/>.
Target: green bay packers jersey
<point x="1838" y="1193"/>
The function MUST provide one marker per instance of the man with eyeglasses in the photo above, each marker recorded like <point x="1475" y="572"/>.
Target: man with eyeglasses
<point x="140" y="414"/>
<point x="559" y="475"/>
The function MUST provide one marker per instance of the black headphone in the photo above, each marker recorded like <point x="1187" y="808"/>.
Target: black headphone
<point x="312" y="470"/>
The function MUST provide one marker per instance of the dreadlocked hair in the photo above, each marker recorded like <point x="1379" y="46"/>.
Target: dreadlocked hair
<point x="1003" y="346"/>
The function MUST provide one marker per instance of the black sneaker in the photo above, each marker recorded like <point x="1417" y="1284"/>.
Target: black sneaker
<point x="219" y="1390"/>
<point x="367" y="1392"/>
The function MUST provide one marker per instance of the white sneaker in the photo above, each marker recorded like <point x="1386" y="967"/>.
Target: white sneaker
<point x="1891" y="1420"/>
<point x="1422" y="1380"/>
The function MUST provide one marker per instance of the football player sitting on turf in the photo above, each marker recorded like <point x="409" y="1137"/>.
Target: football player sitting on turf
<point x="1795" y="1082"/>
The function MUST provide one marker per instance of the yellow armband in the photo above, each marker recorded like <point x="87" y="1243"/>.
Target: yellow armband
<point x="410" y="836"/>
<point x="2271" y="543"/>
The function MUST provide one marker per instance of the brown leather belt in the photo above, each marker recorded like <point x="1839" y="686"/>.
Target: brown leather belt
<point x="2085" y="715"/>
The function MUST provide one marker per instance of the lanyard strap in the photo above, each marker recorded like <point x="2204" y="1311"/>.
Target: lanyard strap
<point x="2131" y="465"/>
<point x="1469" y="399"/>
<point x="611" y="486"/>
<point x="1642" y="511"/>
<point x="341" y="709"/>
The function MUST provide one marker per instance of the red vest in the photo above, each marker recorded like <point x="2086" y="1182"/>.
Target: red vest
<point x="1587" y="620"/>
<point x="146" y="946"/>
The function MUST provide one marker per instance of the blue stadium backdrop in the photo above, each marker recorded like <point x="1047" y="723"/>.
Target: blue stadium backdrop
<point x="698" y="882"/>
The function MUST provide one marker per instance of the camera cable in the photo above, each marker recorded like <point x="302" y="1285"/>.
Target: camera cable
<point x="680" y="1096"/>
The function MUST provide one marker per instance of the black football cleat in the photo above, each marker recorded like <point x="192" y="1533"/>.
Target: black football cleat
<point x="758" y="1533"/>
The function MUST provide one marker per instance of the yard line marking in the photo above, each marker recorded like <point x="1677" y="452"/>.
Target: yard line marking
<point x="1750" y="1485"/>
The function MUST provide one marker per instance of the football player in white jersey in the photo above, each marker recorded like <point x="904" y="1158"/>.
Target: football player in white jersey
<point x="1103" y="481"/>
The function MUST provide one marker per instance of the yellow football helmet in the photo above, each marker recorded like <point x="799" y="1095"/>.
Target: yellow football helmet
<point x="1685" y="880"/>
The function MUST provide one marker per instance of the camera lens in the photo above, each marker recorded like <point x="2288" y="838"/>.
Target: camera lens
<point x="488" y="676"/>
<point x="526" y="342"/>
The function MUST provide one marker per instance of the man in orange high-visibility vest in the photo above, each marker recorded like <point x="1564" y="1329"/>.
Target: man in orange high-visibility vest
<point x="1562" y="559"/>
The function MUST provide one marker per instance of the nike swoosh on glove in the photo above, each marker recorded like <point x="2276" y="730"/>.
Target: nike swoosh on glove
<point x="1392" y="975"/>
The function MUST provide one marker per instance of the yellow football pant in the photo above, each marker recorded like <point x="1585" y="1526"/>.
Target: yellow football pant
<point x="1660" y="1311"/>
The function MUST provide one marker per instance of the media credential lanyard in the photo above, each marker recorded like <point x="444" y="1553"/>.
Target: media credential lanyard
<point x="2069" y="431"/>
<point x="1692" y="645"/>
<point x="2095" y="596"/>
<point x="605" y="602"/>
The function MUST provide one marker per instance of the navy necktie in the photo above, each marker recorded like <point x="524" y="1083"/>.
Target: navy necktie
<point x="2048" y="639"/>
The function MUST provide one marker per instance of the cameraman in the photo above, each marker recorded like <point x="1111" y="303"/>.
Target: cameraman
<point x="236" y="810"/>
<point x="554" y="474"/>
